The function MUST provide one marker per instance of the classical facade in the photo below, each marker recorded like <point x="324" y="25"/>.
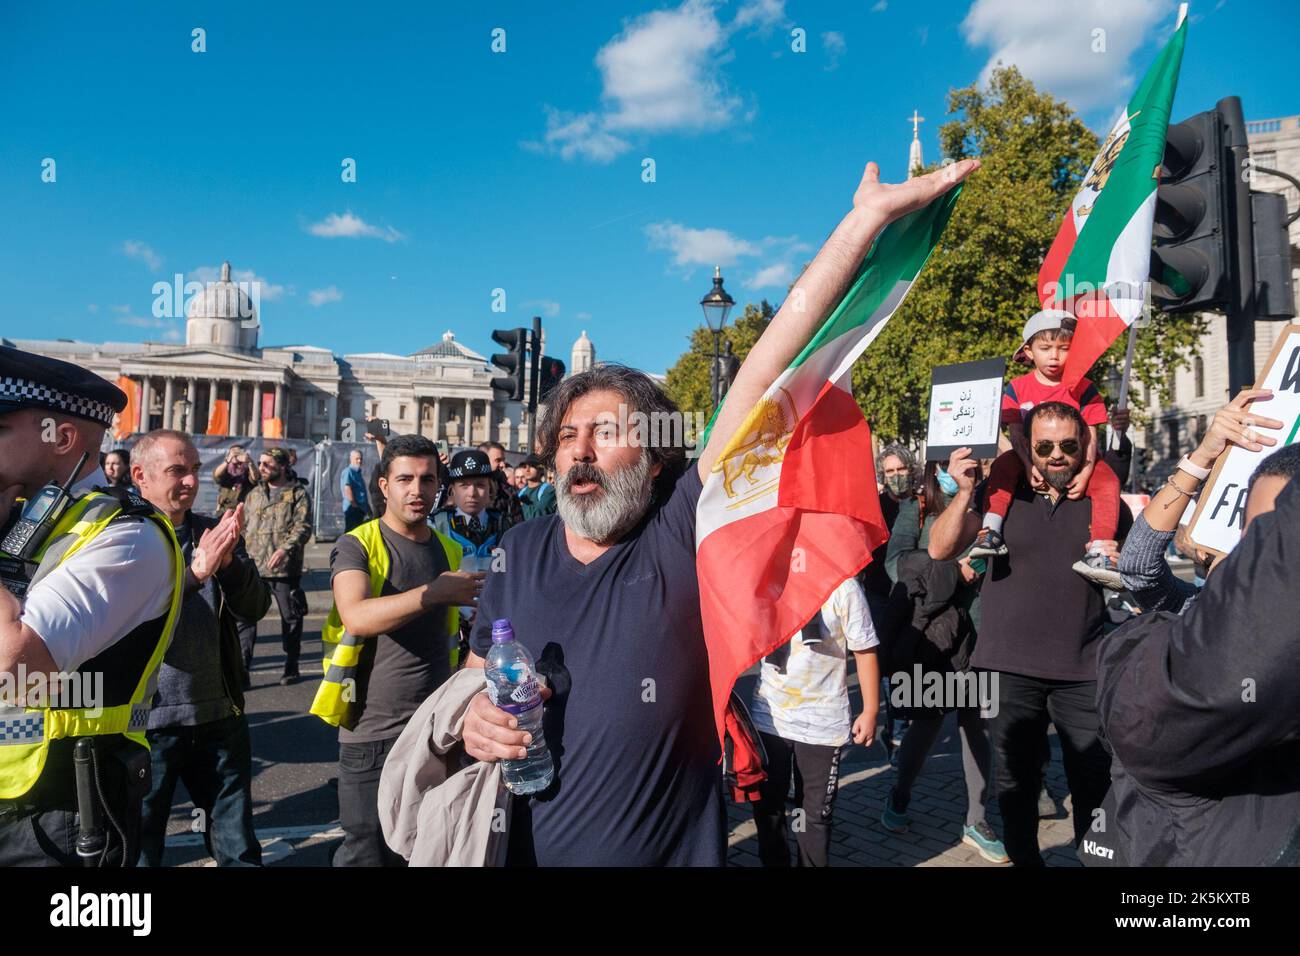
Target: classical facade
<point x="1202" y="389"/>
<point x="443" y="391"/>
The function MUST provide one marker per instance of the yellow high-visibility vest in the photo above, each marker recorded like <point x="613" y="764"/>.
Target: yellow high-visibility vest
<point x="337" y="690"/>
<point x="25" y="734"/>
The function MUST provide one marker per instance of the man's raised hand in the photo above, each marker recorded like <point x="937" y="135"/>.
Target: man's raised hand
<point x="962" y="468"/>
<point x="890" y="201"/>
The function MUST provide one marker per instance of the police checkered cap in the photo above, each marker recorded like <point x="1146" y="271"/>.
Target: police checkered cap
<point x="36" y="381"/>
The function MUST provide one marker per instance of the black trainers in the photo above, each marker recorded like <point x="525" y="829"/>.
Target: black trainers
<point x="289" y="678"/>
<point x="988" y="544"/>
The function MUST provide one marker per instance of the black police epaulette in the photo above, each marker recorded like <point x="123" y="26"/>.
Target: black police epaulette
<point x="132" y="504"/>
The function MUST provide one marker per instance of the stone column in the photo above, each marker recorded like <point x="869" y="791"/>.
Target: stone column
<point x="279" y="403"/>
<point x="487" y="420"/>
<point x="333" y="405"/>
<point x="437" y="418"/>
<point x="467" y="433"/>
<point x="169" y="400"/>
<point x="256" y="429"/>
<point x="234" y="407"/>
<point x="192" y="396"/>
<point x="146" y="398"/>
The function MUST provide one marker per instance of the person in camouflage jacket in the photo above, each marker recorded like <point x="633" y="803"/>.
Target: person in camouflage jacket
<point x="277" y="515"/>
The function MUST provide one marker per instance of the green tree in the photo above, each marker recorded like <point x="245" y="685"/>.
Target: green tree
<point x="688" y="379"/>
<point x="980" y="286"/>
<point x="972" y="299"/>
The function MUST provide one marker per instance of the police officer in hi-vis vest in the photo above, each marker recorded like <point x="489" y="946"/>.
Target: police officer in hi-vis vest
<point x="92" y="585"/>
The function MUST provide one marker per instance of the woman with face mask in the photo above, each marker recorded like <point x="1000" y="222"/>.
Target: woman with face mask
<point x="932" y="623"/>
<point x="896" y="473"/>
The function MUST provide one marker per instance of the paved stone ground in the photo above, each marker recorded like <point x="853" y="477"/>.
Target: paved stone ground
<point x="937" y="810"/>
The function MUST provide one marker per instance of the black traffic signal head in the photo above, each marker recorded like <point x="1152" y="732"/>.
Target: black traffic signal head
<point x="1274" y="294"/>
<point x="1192" y="263"/>
<point x="550" y="374"/>
<point x="513" y="362"/>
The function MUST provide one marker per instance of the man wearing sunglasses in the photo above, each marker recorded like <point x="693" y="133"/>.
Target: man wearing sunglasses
<point x="1040" y="625"/>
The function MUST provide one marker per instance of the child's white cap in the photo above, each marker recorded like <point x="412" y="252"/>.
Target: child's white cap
<point x="1049" y="320"/>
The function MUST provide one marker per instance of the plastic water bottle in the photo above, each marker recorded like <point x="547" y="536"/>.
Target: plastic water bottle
<point x="513" y="686"/>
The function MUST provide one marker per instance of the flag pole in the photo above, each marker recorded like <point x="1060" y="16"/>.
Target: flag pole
<point x="1112" y="441"/>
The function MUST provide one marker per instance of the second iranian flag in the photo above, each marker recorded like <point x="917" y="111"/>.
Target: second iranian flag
<point x="1100" y="262"/>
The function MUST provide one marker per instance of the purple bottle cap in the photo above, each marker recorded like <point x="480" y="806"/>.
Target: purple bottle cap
<point x="502" y="632"/>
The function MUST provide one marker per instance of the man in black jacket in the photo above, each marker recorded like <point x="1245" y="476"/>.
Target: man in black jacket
<point x="198" y="733"/>
<point x="1197" y="703"/>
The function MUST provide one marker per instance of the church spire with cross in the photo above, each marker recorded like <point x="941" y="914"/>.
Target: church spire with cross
<point x="914" y="161"/>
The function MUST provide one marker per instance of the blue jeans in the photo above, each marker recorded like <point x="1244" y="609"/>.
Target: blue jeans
<point x="215" y="762"/>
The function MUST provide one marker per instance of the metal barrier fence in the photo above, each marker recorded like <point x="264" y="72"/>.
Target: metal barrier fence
<point x="320" y="464"/>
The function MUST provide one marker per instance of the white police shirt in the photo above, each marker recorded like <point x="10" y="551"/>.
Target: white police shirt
<point x="116" y="582"/>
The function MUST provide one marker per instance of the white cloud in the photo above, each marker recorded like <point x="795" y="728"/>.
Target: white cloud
<point x="835" y="46"/>
<point x="573" y="135"/>
<point x="692" y="247"/>
<point x="778" y="274"/>
<point x="349" y="226"/>
<point x="123" y="309"/>
<point x="319" y="297"/>
<point x="662" y="73"/>
<point x="546" y="307"/>
<point x="699" y="247"/>
<point x="880" y="7"/>
<point x="136" y="249"/>
<point x="761" y="13"/>
<point x="1052" y="43"/>
<point x="266" y="289"/>
<point x="92" y="308"/>
<point x="923" y="33"/>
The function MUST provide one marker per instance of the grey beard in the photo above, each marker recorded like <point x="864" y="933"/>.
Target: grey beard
<point x="1058" y="478"/>
<point x="605" y="516"/>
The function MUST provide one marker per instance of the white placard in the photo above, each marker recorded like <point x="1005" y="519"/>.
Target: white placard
<point x="966" y="410"/>
<point x="1220" y="512"/>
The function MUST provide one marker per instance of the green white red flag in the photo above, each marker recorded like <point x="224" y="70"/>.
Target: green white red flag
<point x="790" y="509"/>
<point x="1099" y="264"/>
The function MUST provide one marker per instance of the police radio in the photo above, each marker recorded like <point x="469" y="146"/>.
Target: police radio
<point x="38" y="517"/>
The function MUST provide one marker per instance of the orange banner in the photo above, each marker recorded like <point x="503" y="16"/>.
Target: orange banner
<point x="219" y="420"/>
<point x="272" y="428"/>
<point x="127" y="417"/>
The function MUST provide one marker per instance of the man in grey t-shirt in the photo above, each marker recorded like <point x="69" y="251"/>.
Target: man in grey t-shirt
<point x="406" y="653"/>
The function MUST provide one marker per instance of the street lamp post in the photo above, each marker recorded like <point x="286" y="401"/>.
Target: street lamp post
<point x="717" y="306"/>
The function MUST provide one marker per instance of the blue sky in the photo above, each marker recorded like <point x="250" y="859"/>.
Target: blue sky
<point x="519" y="170"/>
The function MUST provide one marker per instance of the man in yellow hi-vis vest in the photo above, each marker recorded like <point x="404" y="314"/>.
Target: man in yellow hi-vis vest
<point x="92" y="583"/>
<point x="388" y="639"/>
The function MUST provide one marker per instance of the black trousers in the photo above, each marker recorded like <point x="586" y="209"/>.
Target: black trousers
<point x="1025" y="707"/>
<point x="360" y="766"/>
<point x="41" y="827"/>
<point x="292" y="604"/>
<point x="816" y="770"/>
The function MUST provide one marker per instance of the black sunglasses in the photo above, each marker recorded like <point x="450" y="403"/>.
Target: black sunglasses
<point x="1069" y="447"/>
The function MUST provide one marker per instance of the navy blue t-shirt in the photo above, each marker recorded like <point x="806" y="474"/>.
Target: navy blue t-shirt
<point x="630" y="725"/>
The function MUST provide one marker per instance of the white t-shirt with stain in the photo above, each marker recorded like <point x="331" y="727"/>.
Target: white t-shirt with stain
<point x="809" y="702"/>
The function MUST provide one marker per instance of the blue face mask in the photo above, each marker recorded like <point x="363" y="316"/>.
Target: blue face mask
<point x="947" y="483"/>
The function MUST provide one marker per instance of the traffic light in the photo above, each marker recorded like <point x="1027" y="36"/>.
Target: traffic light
<point x="1274" y="294"/>
<point x="551" y="373"/>
<point x="514" y="362"/>
<point x="1194" y="264"/>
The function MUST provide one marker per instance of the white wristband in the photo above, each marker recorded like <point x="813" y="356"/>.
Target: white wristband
<point x="1196" y="471"/>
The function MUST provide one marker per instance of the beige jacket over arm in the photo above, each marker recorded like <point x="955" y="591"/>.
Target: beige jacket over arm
<point x="432" y="812"/>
